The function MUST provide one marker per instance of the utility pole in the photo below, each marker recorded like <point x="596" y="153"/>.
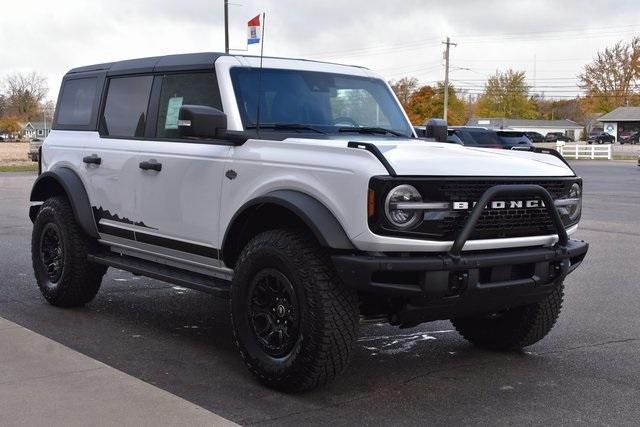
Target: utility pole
<point x="226" y="26"/>
<point x="448" y="43"/>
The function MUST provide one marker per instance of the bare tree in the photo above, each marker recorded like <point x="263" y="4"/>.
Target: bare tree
<point x="24" y="93"/>
<point x="404" y="89"/>
<point x="610" y="80"/>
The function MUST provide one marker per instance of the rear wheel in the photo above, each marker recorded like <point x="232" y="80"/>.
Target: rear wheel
<point x="293" y="320"/>
<point x="514" y="328"/>
<point x="59" y="250"/>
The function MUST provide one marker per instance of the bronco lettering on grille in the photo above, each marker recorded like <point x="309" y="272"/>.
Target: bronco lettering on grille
<point x="501" y="204"/>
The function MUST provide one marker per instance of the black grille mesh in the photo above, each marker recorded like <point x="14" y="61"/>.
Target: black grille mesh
<point x="499" y="223"/>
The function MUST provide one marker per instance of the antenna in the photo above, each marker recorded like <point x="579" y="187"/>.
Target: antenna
<point x="260" y="78"/>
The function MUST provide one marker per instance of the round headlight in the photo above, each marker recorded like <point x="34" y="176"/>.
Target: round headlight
<point x="403" y="218"/>
<point x="575" y="193"/>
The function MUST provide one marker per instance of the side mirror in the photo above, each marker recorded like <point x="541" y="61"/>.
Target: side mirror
<point x="201" y="121"/>
<point x="436" y="129"/>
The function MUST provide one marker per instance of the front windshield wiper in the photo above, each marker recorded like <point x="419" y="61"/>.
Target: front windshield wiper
<point x="375" y="130"/>
<point x="286" y="126"/>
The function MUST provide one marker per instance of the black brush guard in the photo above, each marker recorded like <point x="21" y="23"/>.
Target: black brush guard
<point x="457" y="282"/>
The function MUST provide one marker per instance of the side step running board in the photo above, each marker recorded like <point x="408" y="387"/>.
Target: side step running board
<point x="200" y="282"/>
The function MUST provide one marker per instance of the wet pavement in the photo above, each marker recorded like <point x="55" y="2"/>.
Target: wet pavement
<point x="586" y="371"/>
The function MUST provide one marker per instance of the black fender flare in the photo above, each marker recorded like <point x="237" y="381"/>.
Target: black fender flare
<point x="46" y="185"/>
<point x="315" y="215"/>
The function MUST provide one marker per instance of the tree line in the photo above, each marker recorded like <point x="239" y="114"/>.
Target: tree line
<point x="609" y="81"/>
<point x="23" y="99"/>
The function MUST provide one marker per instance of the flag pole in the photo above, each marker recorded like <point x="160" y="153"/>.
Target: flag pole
<point x="262" y="41"/>
<point x="260" y="77"/>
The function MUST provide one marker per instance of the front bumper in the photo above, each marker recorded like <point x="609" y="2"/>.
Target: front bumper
<point x="435" y="287"/>
<point x="463" y="283"/>
<point x="440" y="275"/>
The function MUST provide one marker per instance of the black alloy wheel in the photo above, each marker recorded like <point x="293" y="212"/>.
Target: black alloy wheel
<point x="273" y="312"/>
<point x="52" y="252"/>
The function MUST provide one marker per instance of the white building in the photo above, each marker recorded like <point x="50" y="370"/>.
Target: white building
<point x="33" y="130"/>
<point x="621" y="121"/>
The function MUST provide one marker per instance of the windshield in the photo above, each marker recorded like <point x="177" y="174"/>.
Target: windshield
<point x="309" y="101"/>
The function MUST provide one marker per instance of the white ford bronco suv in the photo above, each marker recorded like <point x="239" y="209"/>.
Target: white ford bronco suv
<point x="300" y="191"/>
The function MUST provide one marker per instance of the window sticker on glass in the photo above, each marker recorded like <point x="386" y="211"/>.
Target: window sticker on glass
<point x="173" y="110"/>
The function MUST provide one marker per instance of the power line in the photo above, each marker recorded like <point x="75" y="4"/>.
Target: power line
<point x="579" y="32"/>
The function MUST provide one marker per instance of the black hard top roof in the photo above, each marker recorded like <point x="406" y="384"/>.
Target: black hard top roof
<point x="168" y="63"/>
<point x="188" y="61"/>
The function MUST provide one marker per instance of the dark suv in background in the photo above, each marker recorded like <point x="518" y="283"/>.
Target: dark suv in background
<point x="535" y="136"/>
<point x="600" y="138"/>
<point x="557" y="136"/>
<point x="629" y="137"/>
<point x="488" y="138"/>
<point x="514" y="138"/>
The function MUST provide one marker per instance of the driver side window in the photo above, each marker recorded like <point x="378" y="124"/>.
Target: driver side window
<point x="184" y="89"/>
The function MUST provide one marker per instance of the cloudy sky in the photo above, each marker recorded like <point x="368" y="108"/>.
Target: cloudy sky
<point x="395" y="38"/>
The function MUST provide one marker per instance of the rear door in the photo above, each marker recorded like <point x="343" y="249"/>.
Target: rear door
<point x="180" y="200"/>
<point x="111" y="158"/>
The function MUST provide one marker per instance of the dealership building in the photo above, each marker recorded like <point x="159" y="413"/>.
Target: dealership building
<point x="567" y="127"/>
<point x="621" y="120"/>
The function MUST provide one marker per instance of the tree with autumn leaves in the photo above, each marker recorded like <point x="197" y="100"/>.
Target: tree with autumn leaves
<point x="611" y="79"/>
<point x="424" y="102"/>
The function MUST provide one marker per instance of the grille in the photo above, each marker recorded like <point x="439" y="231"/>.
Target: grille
<point x="499" y="223"/>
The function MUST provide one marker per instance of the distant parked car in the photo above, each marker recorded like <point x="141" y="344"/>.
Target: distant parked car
<point x="535" y="136"/>
<point x="471" y="136"/>
<point x="1" y="138"/>
<point x="488" y="138"/>
<point x="557" y="136"/>
<point x="632" y="137"/>
<point x="601" y="138"/>
<point x="514" y="138"/>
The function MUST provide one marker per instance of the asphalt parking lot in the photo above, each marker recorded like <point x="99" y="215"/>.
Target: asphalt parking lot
<point x="586" y="371"/>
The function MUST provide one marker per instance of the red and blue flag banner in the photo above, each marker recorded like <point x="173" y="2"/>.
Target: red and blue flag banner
<point x="254" y="31"/>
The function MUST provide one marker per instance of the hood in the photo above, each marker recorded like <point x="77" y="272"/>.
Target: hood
<point x="411" y="157"/>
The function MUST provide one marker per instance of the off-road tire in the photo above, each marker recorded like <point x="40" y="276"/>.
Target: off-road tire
<point x="328" y="311"/>
<point x="515" y="328"/>
<point x="79" y="280"/>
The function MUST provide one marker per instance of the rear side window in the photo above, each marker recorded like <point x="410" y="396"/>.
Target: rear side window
<point x="76" y="102"/>
<point x="184" y="89"/>
<point x="125" y="110"/>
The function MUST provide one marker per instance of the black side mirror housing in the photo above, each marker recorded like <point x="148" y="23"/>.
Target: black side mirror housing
<point x="436" y="129"/>
<point x="201" y="121"/>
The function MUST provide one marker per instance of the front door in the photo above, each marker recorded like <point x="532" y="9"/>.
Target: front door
<point x="179" y="180"/>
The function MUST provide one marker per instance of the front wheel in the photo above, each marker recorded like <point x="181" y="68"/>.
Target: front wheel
<point x="514" y="328"/>
<point x="59" y="252"/>
<point x="294" y="322"/>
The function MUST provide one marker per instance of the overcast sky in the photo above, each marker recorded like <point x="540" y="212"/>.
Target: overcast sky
<point x="394" y="38"/>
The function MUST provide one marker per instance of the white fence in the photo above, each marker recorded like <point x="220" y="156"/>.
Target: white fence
<point x="594" y="151"/>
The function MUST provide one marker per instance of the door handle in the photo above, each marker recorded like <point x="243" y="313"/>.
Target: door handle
<point x="92" y="160"/>
<point x="151" y="165"/>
